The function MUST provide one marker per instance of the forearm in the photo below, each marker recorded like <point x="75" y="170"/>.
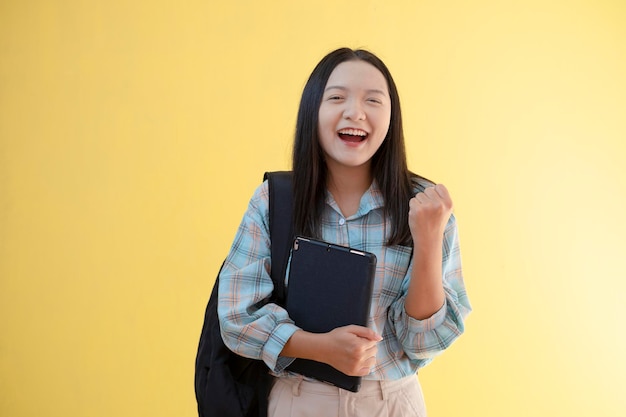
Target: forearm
<point x="426" y="294"/>
<point x="350" y="349"/>
<point x="305" y="345"/>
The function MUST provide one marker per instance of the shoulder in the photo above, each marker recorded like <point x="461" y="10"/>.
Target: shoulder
<point x="257" y="212"/>
<point x="261" y="192"/>
<point x="260" y="198"/>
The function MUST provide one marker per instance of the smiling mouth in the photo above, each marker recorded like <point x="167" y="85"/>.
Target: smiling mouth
<point x="352" y="135"/>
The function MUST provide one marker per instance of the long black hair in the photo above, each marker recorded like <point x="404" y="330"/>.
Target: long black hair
<point x="389" y="166"/>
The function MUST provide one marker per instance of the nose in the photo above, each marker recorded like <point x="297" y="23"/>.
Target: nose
<point x="354" y="110"/>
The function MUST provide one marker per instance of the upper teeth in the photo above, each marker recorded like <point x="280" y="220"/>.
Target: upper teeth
<point x="353" y="132"/>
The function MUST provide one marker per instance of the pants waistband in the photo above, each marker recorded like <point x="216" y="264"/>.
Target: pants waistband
<point x="369" y="388"/>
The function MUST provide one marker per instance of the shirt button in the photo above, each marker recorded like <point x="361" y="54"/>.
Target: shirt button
<point x="342" y="221"/>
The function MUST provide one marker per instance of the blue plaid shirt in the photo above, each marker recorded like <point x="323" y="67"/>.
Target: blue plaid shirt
<point x="260" y="331"/>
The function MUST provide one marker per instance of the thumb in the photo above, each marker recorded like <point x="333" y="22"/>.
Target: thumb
<point x="366" y="333"/>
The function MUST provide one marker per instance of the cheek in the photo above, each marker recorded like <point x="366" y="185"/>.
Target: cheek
<point x="322" y="126"/>
<point x="383" y="124"/>
<point x="324" y="118"/>
<point x="324" y="134"/>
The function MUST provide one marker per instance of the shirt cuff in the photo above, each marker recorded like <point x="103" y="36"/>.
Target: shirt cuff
<point x="275" y="345"/>
<point x="422" y="326"/>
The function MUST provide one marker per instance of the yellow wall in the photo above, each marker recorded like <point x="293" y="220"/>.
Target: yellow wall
<point x="132" y="134"/>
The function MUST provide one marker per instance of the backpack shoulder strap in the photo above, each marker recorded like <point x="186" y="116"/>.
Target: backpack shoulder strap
<point x="281" y="227"/>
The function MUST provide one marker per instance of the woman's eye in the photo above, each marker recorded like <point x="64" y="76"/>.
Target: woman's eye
<point x="334" y="98"/>
<point x="374" y="100"/>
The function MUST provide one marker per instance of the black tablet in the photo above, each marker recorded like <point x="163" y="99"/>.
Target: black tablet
<point x="329" y="286"/>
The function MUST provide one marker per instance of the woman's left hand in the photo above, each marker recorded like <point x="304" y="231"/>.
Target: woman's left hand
<point x="429" y="212"/>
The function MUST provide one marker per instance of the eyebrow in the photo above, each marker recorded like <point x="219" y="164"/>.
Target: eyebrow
<point x="373" y="90"/>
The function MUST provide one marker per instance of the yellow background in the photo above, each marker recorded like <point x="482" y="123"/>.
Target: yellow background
<point x="132" y="134"/>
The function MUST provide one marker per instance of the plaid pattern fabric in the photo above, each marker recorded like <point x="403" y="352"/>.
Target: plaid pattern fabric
<point x="258" y="330"/>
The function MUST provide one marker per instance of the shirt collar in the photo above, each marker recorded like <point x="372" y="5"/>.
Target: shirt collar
<point x="371" y="200"/>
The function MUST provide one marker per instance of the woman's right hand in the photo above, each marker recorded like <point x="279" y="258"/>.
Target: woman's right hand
<point x="350" y="349"/>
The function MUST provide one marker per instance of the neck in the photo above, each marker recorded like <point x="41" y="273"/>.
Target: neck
<point x="347" y="185"/>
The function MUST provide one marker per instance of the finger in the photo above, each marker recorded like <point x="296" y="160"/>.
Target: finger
<point x="365" y="371"/>
<point x="366" y="333"/>
<point x="369" y="362"/>
<point x="442" y="191"/>
<point x="421" y="198"/>
<point x="367" y="365"/>
<point x="431" y="193"/>
<point x="371" y="352"/>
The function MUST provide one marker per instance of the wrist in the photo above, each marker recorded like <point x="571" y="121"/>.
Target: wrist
<point x="427" y="245"/>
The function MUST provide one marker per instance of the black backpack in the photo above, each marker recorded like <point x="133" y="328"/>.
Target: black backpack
<point x="226" y="384"/>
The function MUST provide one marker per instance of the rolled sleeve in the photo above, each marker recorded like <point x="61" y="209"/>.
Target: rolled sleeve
<point x="275" y="345"/>
<point x="414" y="326"/>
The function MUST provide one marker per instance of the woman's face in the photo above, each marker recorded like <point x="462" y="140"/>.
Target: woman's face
<point x="354" y="115"/>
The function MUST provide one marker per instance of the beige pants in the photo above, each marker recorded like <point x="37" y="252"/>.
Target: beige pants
<point x="294" y="397"/>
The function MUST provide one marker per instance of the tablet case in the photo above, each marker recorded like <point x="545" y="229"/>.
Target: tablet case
<point x="329" y="286"/>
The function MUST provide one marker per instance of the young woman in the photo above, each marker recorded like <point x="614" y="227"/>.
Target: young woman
<point x="352" y="188"/>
